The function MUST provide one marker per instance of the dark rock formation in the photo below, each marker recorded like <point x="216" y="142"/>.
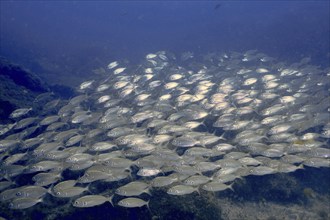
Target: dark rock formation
<point x="19" y="87"/>
<point x="22" y="77"/>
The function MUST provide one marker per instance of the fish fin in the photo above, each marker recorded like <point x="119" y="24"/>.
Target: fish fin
<point x="202" y="124"/>
<point x="147" y="204"/>
<point x="255" y="111"/>
<point x="197" y="190"/>
<point x="50" y="189"/>
<point x="301" y="166"/>
<point x="231" y="186"/>
<point x="7" y="177"/>
<point x="87" y="188"/>
<point x="106" y="80"/>
<point x="148" y="192"/>
<point x="233" y="104"/>
<point x="110" y="199"/>
<point x="222" y="136"/>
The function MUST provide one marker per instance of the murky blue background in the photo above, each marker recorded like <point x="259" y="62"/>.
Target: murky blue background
<point x="72" y="32"/>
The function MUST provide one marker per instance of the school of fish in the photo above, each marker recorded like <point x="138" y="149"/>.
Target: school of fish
<point x="182" y="125"/>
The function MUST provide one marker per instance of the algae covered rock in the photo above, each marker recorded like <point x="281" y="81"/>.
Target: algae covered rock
<point x="19" y="87"/>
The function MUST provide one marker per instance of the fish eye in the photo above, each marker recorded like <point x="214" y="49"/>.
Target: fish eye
<point x="58" y="193"/>
<point x="18" y="194"/>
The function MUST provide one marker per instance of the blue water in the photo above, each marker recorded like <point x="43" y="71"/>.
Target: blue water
<point x="75" y="31"/>
<point x="70" y="34"/>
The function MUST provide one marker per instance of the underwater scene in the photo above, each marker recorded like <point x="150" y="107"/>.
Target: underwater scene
<point x="212" y="110"/>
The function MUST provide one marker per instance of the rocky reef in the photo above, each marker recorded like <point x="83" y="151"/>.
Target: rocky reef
<point x="19" y="87"/>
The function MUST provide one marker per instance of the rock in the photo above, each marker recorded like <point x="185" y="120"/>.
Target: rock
<point x="19" y="88"/>
<point x="22" y="77"/>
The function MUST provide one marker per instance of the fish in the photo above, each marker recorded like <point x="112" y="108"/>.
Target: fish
<point x="6" y="128"/>
<point x="316" y="162"/>
<point x="91" y="201"/>
<point x="92" y="176"/>
<point x="133" y="203"/>
<point x="184" y="142"/>
<point x="148" y="172"/>
<point x="70" y="192"/>
<point x="46" y="179"/>
<point x="214" y="186"/>
<point x="26" y="122"/>
<point x="88" y="84"/>
<point x="224" y="147"/>
<point x="49" y="120"/>
<point x="19" y="112"/>
<point x="249" y="161"/>
<point x="14" y="158"/>
<point x="119" y="70"/>
<point x="133" y="189"/>
<point x="80" y="118"/>
<point x="5" y="184"/>
<point x="79" y="157"/>
<point x="8" y="194"/>
<point x="151" y="56"/>
<point x="74" y="140"/>
<point x="262" y="170"/>
<point x="163" y="181"/>
<point x="24" y="203"/>
<point x="64" y="185"/>
<point x="44" y="165"/>
<point x="102" y="146"/>
<point x="113" y="64"/>
<point x="175" y="124"/>
<point x="206" y="166"/>
<point x="196" y="180"/>
<point x="187" y="55"/>
<point x="31" y="192"/>
<point x="180" y="190"/>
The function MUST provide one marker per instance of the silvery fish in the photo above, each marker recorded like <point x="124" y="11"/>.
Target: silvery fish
<point x="180" y="190"/>
<point x="24" y="203"/>
<point x="177" y="124"/>
<point x="91" y="201"/>
<point x="19" y="112"/>
<point x="215" y="186"/>
<point x="133" y="202"/>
